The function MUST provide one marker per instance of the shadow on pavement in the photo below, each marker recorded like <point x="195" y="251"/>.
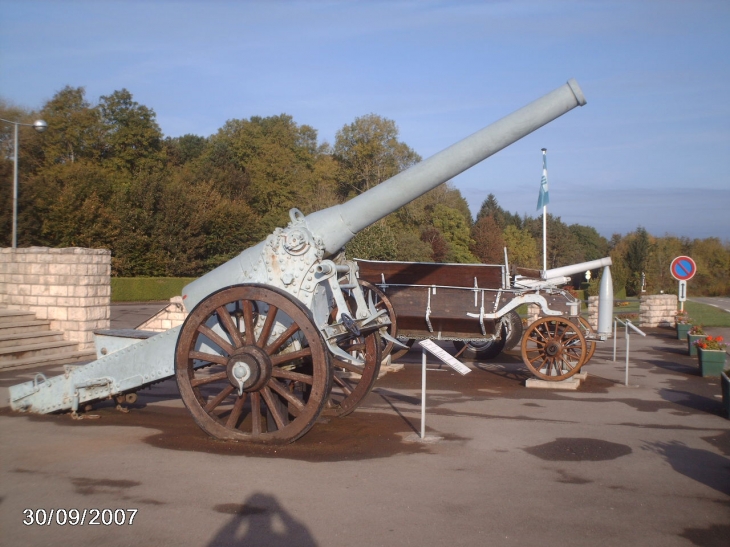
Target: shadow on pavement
<point x="702" y="466"/>
<point x="261" y="520"/>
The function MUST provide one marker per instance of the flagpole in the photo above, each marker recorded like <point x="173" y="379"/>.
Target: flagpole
<point x="544" y="214"/>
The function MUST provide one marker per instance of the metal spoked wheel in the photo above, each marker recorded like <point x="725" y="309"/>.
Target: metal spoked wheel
<point x="553" y="348"/>
<point x="251" y="365"/>
<point x="351" y="382"/>
<point x="381" y="302"/>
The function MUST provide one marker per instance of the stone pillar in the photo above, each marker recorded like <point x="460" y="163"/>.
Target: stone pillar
<point x="658" y="310"/>
<point x="69" y="287"/>
<point x="533" y="313"/>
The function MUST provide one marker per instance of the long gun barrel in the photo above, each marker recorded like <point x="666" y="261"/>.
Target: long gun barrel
<point x="340" y="223"/>
<point x="337" y="225"/>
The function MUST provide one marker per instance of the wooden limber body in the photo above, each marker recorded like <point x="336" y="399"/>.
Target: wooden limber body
<point x="441" y="295"/>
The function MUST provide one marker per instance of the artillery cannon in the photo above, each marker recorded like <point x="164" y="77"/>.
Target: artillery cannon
<point x="474" y="306"/>
<point x="283" y="331"/>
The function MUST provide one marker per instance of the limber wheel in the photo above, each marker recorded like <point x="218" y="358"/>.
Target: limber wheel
<point x="381" y="302"/>
<point x="553" y="348"/>
<point x="513" y="322"/>
<point x="511" y="332"/>
<point x="251" y="365"/>
<point x="587" y="329"/>
<point x="480" y="350"/>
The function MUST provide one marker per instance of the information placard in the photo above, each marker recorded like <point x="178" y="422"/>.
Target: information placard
<point x="433" y="349"/>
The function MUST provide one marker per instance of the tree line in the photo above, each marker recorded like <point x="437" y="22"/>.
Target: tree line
<point x="105" y="176"/>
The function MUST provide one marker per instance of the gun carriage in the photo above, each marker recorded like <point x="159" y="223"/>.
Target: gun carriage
<point x="284" y="331"/>
<point x="474" y="305"/>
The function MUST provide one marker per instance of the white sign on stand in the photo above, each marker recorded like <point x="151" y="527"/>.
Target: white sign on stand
<point x="431" y="347"/>
<point x="457" y="365"/>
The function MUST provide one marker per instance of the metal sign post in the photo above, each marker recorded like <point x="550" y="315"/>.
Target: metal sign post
<point x="682" y="268"/>
<point x="458" y="366"/>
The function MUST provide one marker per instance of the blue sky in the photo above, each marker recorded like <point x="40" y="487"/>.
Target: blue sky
<point x="650" y="148"/>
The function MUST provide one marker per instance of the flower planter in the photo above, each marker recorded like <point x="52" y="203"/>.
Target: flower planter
<point x="691" y="339"/>
<point x="682" y="330"/>
<point x="712" y="361"/>
<point x="725" y="381"/>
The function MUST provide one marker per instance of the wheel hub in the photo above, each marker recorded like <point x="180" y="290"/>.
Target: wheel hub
<point x="249" y="369"/>
<point x="552" y="348"/>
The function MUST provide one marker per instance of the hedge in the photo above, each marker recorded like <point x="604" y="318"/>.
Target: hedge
<point x="145" y="289"/>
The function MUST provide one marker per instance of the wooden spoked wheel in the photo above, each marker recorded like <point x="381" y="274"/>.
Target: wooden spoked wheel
<point x="587" y="329"/>
<point x="251" y="365"/>
<point x="382" y="303"/>
<point x="553" y="348"/>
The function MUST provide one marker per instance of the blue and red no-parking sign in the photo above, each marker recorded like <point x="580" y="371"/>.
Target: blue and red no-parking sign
<point x="683" y="268"/>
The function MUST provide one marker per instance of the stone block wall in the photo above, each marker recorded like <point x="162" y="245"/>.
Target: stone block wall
<point x="69" y="287"/>
<point x="658" y="310"/>
<point x="172" y="316"/>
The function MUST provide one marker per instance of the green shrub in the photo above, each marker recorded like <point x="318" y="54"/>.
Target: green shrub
<point x="145" y="289"/>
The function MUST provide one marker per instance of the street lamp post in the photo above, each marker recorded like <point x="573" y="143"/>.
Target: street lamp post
<point x="40" y="126"/>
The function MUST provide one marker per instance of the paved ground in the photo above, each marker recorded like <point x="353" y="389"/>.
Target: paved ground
<point x="605" y="465"/>
<point x="133" y="314"/>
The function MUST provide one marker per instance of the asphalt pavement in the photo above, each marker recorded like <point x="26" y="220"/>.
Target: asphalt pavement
<point x="644" y="465"/>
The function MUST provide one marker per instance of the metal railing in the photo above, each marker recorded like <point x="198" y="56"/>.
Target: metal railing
<point x="629" y="326"/>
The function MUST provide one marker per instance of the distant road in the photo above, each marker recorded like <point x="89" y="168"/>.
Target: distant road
<point x="722" y="302"/>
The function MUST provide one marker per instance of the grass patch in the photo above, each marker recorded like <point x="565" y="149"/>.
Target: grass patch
<point x="707" y="316"/>
<point x="146" y="289"/>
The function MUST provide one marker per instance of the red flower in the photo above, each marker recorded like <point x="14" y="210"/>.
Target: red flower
<point x="719" y="338"/>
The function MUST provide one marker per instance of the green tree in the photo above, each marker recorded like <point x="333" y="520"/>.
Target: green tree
<point x="658" y="277"/>
<point x="376" y="242"/>
<point x="76" y="127"/>
<point x="563" y="247"/>
<point x="185" y="149"/>
<point x="638" y="250"/>
<point x="369" y="152"/>
<point x="490" y="207"/>
<point x="277" y="159"/>
<point x="133" y="140"/>
<point x="521" y="247"/>
<point x="456" y="231"/>
<point x="713" y="267"/>
<point x="73" y="205"/>
<point x="592" y="244"/>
